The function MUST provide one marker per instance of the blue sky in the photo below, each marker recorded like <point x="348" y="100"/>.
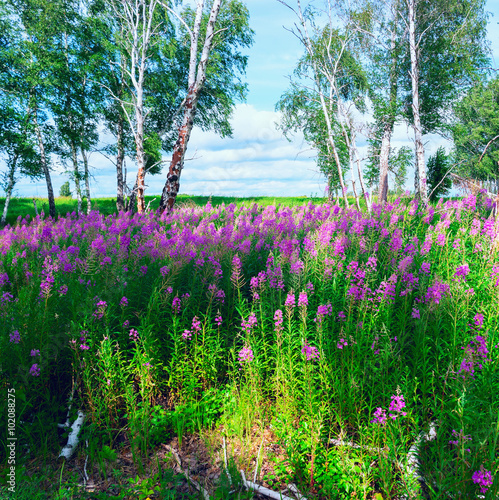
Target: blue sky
<point x="257" y="160"/>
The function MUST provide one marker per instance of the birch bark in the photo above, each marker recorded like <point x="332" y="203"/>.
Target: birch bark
<point x="196" y="80"/>
<point x="420" y="170"/>
<point x="10" y="187"/>
<point x="87" y="180"/>
<point x="45" y="166"/>
<point x="390" y="118"/>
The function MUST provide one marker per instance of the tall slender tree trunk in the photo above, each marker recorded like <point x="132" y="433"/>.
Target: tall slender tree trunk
<point x="420" y="174"/>
<point x="130" y="206"/>
<point x="383" y="162"/>
<point x="87" y="180"/>
<point x="76" y="175"/>
<point x="196" y="80"/>
<point x="45" y="166"/>
<point x="171" y="188"/>
<point x="120" y="204"/>
<point x="332" y="143"/>
<point x="10" y="187"/>
<point x="139" y="143"/>
<point x="389" y="121"/>
<point x="366" y="195"/>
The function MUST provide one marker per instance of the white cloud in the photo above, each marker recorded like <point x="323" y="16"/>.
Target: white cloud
<point x="257" y="160"/>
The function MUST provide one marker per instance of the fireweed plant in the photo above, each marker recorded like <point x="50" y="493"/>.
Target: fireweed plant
<point x="322" y="322"/>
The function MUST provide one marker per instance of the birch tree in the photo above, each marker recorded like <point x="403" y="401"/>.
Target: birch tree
<point x="420" y="168"/>
<point x="195" y="82"/>
<point x="215" y="32"/>
<point x="18" y="148"/>
<point x="141" y="26"/>
<point x="27" y="76"/>
<point x="336" y="82"/>
<point x="446" y="55"/>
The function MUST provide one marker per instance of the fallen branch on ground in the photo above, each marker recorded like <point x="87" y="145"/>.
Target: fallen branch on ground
<point x="196" y="485"/>
<point x="73" y="440"/>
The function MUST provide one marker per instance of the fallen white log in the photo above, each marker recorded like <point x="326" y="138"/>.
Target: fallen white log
<point x="410" y="472"/>
<point x="73" y="440"/>
<point x="296" y="491"/>
<point x="261" y="490"/>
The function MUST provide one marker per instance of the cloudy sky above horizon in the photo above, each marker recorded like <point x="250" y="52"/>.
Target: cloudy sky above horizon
<point x="257" y="160"/>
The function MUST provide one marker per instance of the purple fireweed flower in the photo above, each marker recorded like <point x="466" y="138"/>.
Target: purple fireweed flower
<point x="352" y="267"/>
<point x="220" y="296"/>
<point x="15" y="337"/>
<point x="143" y="270"/>
<point x="126" y="323"/>
<point x="405" y="264"/>
<point x="134" y="334"/>
<point x="63" y="290"/>
<point x="34" y="352"/>
<point x="441" y="240"/>
<point x="462" y="271"/>
<point x="236" y="269"/>
<point x="164" y="271"/>
<point x="379" y="416"/>
<point x="456" y="244"/>
<point x="196" y="325"/>
<point x="290" y="300"/>
<point x="106" y="261"/>
<point x="415" y="313"/>
<point x="187" y="334"/>
<point x="437" y="291"/>
<point x="342" y="316"/>
<point x="425" y="267"/>
<point x="34" y="370"/>
<point x="426" y="247"/>
<point x="123" y="302"/>
<point x="278" y="321"/>
<point x="176" y="305"/>
<point x="342" y="343"/>
<point x="252" y="322"/>
<point x="297" y="267"/>
<point x="310" y="288"/>
<point x="46" y="286"/>
<point x="396" y="406"/>
<point x="245" y="355"/>
<point x="310" y="352"/>
<point x="476" y="354"/>
<point x="101" y="309"/>
<point x="322" y="312"/>
<point x="460" y="438"/>
<point x="478" y="320"/>
<point x="218" y="319"/>
<point x="495" y="274"/>
<point x="483" y="478"/>
<point x="169" y="289"/>
<point x="303" y="299"/>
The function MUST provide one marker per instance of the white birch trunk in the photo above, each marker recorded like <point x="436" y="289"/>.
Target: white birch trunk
<point x="10" y="187"/>
<point x="76" y="176"/>
<point x="45" y="166"/>
<point x="383" y="163"/>
<point x="87" y="180"/>
<point x="197" y="78"/>
<point x="420" y="173"/>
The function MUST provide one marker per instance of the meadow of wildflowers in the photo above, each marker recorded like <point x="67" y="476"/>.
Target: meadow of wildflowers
<point x="310" y="323"/>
